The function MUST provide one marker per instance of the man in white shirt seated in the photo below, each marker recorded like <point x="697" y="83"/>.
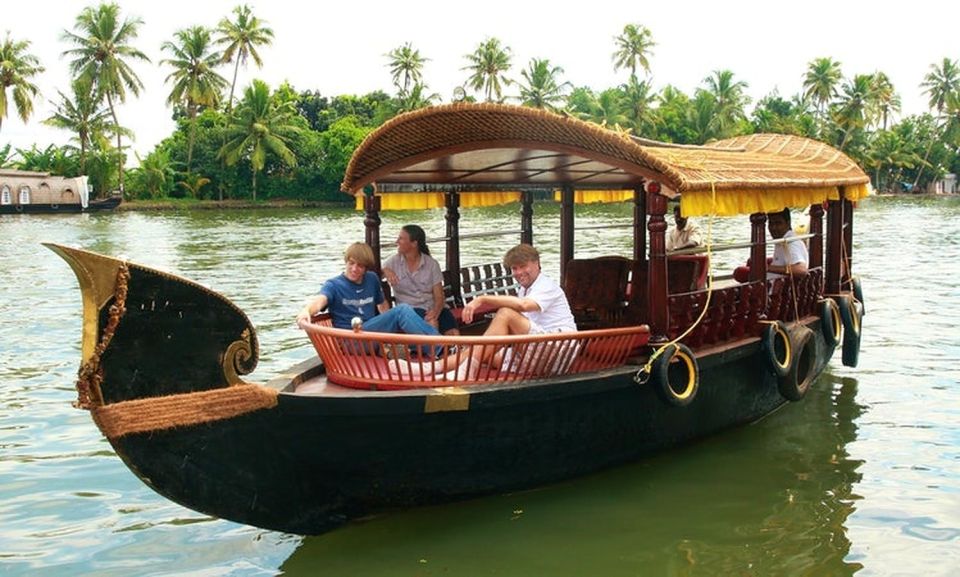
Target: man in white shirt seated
<point x="685" y="234"/>
<point x="790" y="257"/>
<point x="540" y="307"/>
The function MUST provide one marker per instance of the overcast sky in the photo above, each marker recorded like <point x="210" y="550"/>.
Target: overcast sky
<point x="338" y="47"/>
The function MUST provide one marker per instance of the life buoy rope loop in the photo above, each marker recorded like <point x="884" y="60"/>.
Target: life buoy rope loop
<point x="665" y="372"/>
<point x="777" y="348"/>
<point x="831" y="323"/>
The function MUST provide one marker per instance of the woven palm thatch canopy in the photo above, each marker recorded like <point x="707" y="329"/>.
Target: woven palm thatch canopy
<point x="492" y="147"/>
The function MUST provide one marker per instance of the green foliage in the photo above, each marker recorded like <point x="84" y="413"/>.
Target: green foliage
<point x="773" y="114"/>
<point x="17" y="66"/>
<point x="52" y="159"/>
<point x="155" y="176"/>
<point x="633" y="49"/>
<point x="338" y="145"/>
<point x="540" y="87"/>
<point x="488" y="67"/>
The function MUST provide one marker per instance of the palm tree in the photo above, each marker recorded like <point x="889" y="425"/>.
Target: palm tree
<point x="416" y="99"/>
<point x="820" y="83"/>
<point x="85" y="116"/>
<point x="100" y="57"/>
<point x="729" y="101"/>
<point x="242" y="38"/>
<point x="195" y="82"/>
<point x="16" y="68"/>
<point x="539" y="87"/>
<point x="406" y="63"/>
<point x="638" y="102"/>
<point x="488" y="64"/>
<point x="884" y="99"/>
<point x="608" y="110"/>
<point x="940" y="84"/>
<point x="853" y="111"/>
<point x="633" y="48"/>
<point x="258" y="127"/>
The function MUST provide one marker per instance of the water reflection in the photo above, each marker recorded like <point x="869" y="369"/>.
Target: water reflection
<point x="770" y="499"/>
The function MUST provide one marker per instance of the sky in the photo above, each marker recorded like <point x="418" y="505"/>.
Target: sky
<point x="340" y="47"/>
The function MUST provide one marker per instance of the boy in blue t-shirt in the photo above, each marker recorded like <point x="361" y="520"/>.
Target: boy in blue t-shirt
<point x="357" y="293"/>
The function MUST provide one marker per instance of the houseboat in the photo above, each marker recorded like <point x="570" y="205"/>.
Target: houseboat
<point x="28" y="191"/>
<point x="668" y="351"/>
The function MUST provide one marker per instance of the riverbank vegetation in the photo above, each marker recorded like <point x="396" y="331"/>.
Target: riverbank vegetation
<point x="257" y="143"/>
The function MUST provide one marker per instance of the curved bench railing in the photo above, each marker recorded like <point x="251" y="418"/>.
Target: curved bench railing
<point x="382" y="361"/>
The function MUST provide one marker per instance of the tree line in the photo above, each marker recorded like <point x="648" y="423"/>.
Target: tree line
<point x="285" y="143"/>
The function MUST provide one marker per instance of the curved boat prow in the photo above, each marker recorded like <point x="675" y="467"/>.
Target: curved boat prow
<point x="148" y="333"/>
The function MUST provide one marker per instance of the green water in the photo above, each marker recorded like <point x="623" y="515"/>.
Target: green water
<point x="862" y="476"/>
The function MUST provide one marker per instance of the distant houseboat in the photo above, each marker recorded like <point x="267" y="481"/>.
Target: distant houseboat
<point x="26" y="191"/>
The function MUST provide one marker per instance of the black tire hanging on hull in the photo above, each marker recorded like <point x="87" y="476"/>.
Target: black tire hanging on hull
<point x="666" y="372"/>
<point x="850" y="314"/>
<point x="796" y="382"/>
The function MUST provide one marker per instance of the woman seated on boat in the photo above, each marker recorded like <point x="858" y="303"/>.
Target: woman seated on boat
<point x="357" y="293"/>
<point x="540" y="307"/>
<point x="416" y="279"/>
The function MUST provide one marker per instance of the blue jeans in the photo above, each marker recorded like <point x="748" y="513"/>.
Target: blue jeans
<point x="400" y="319"/>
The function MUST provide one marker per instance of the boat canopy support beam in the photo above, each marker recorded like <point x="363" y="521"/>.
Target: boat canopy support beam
<point x="658" y="312"/>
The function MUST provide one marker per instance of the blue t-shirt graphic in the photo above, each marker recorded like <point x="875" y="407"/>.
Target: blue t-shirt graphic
<point x="346" y="299"/>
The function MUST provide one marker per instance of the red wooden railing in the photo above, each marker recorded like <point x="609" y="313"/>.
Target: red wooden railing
<point x="384" y="361"/>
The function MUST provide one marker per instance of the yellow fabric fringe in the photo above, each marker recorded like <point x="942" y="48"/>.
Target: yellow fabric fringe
<point x="749" y="201"/>
<point x="425" y="200"/>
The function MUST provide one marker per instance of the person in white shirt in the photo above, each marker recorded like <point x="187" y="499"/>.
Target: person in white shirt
<point x="540" y="307"/>
<point x="790" y="257"/>
<point x="685" y="234"/>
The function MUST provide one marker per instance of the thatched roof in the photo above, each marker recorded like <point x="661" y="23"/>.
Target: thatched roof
<point x="492" y="146"/>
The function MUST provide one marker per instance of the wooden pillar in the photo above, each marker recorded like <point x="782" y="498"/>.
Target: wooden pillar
<point x="816" y="242"/>
<point x="758" y="246"/>
<point x="657" y="302"/>
<point x="371" y="223"/>
<point x="526" y="217"/>
<point x="566" y="228"/>
<point x="451" y="201"/>
<point x="639" y="224"/>
<point x="758" y="250"/>
<point x="847" y="253"/>
<point x="834" y="251"/>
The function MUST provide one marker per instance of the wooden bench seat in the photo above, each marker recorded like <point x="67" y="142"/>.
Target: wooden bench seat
<point x="476" y="280"/>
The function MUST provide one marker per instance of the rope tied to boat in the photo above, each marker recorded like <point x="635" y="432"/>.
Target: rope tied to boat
<point x="643" y="374"/>
<point x="90" y="374"/>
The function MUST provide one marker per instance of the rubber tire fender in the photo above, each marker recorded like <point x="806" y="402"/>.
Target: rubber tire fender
<point x="831" y="323"/>
<point x="794" y="385"/>
<point x="777" y="349"/>
<point x="851" y="330"/>
<point x="664" y="367"/>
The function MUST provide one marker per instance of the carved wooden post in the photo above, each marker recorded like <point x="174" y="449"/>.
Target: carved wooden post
<point x="526" y="217"/>
<point x="639" y="224"/>
<point x="451" y="201"/>
<point x="834" y="240"/>
<point x="659" y="314"/>
<point x="847" y="253"/>
<point x="566" y="228"/>
<point x="371" y="223"/>
<point x="816" y="242"/>
<point x="758" y="250"/>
